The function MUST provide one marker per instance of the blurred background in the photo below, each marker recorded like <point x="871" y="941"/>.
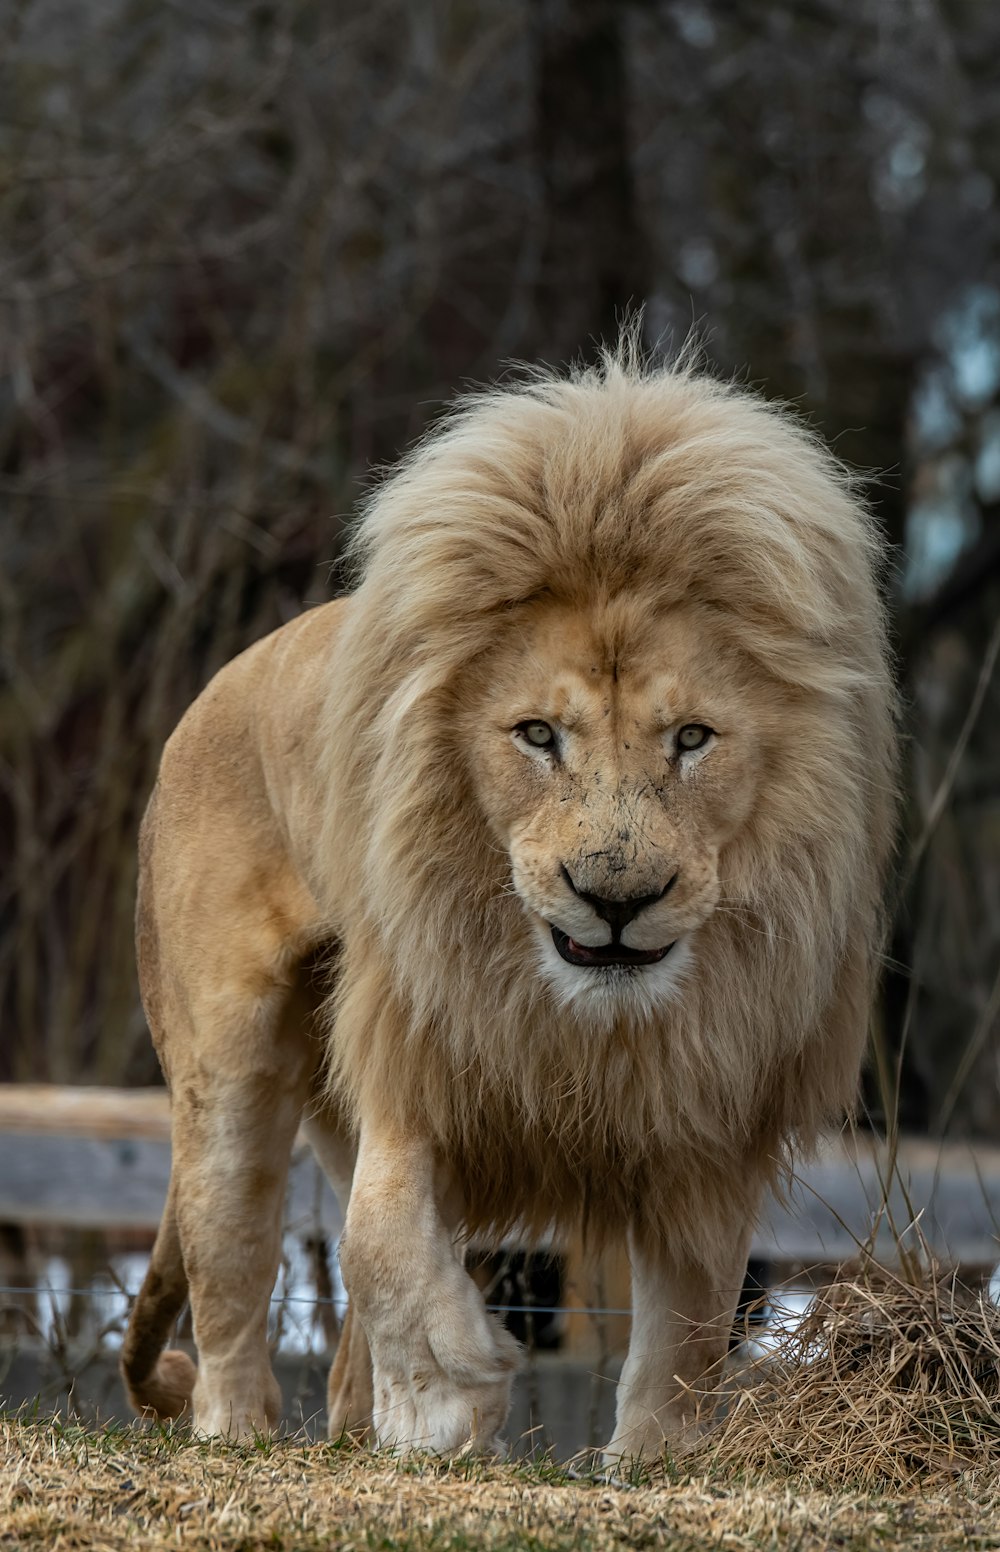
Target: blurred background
<point x="247" y="250"/>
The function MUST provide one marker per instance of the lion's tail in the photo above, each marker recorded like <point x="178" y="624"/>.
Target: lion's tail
<point x="158" y="1381"/>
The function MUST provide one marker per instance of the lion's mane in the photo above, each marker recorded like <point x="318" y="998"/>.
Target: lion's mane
<point x="668" y="485"/>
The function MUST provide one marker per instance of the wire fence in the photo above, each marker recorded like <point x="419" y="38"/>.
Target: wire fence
<point x="60" y="1340"/>
<point x="315" y="1301"/>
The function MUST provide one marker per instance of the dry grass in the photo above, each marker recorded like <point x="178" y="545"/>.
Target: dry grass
<point x="890" y="1382"/>
<point x="877" y="1426"/>
<point x="66" y="1488"/>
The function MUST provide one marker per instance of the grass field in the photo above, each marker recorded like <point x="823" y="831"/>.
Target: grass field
<point x="65" y="1488"/>
<point x="876" y="1425"/>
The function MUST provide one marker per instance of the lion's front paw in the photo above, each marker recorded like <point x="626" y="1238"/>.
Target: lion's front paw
<point x="448" y="1402"/>
<point x="649" y="1438"/>
<point x="646" y="1444"/>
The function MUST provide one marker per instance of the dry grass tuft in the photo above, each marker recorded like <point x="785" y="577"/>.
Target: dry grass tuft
<point x="890" y="1381"/>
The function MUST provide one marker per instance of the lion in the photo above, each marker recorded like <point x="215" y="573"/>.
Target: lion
<point x="540" y="878"/>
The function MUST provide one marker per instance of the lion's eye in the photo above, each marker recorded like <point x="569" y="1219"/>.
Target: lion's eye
<point x="694" y="735"/>
<point x="538" y="734"/>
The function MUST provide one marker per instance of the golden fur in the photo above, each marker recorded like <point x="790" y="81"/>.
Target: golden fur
<point x="617" y="552"/>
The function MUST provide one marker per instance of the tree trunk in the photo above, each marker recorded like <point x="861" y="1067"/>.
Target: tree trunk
<point x="593" y="264"/>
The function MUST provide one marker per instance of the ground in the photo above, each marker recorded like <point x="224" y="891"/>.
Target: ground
<point x="66" y="1488"/>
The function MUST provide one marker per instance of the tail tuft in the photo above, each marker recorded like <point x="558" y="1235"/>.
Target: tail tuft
<point x="167" y="1389"/>
<point x="158" y="1381"/>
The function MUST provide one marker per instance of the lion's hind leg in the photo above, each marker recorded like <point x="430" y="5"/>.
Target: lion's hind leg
<point x="349" y="1398"/>
<point x="238" y="1086"/>
<point x="349" y="1387"/>
<point x="235" y="1140"/>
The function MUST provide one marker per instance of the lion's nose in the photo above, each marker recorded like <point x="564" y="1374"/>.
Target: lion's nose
<point x="618" y="913"/>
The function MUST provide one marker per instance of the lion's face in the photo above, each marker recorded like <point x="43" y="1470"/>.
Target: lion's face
<point x="614" y="757"/>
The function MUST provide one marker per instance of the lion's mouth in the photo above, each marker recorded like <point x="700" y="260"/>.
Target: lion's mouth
<point x="606" y="957"/>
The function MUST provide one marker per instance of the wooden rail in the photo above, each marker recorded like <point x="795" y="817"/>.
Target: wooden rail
<point x="49" y="1110"/>
<point x="99" y="1157"/>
